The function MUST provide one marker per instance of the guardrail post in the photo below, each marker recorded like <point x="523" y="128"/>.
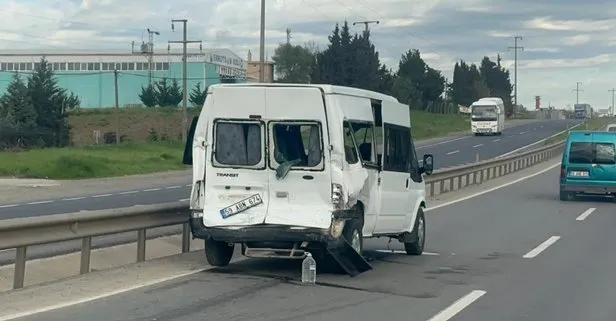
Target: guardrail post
<point x="185" y="238"/>
<point x="20" y="268"/>
<point x="141" y="238"/>
<point x="86" y="249"/>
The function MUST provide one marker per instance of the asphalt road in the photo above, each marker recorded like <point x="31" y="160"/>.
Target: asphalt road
<point x="488" y="260"/>
<point x="449" y="152"/>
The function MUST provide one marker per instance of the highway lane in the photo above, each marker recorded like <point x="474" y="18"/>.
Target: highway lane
<point x="465" y="150"/>
<point x="478" y="268"/>
<point x="449" y="152"/>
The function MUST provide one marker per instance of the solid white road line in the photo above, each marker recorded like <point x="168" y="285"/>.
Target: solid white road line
<point x="458" y="306"/>
<point x="185" y="200"/>
<point x="453" y="152"/>
<point x="36" y="310"/>
<point x="404" y="252"/>
<point x="493" y="188"/>
<point x="542" y="247"/>
<point x="586" y="213"/>
<point x="128" y="192"/>
<point x="9" y="205"/>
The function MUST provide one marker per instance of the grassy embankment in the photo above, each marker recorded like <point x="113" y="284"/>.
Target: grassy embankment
<point x="590" y="124"/>
<point x="152" y="145"/>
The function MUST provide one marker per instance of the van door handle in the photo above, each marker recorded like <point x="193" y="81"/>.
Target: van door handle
<point x="407" y="182"/>
<point x="308" y="177"/>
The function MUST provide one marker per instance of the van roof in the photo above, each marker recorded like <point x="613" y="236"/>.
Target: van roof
<point x="589" y="136"/>
<point x="327" y="89"/>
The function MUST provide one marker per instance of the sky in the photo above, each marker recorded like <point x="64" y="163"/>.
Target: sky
<point x="564" y="41"/>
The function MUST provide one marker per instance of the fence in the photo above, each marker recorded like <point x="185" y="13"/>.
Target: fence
<point x="21" y="233"/>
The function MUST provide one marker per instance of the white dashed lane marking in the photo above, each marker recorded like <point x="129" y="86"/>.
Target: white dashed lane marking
<point x="478" y="145"/>
<point x="453" y="152"/>
<point x="70" y="199"/>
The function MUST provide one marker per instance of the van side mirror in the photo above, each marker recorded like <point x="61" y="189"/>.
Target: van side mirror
<point x="428" y="164"/>
<point x="188" y="147"/>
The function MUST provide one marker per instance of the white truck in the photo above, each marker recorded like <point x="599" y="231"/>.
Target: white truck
<point x="488" y="116"/>
<point x="281" y="169"/>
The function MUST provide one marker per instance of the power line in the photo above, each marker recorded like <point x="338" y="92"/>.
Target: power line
<point x="184" y="43"/>
<point x="577" y="91"/>
<point x="515" y="68"/>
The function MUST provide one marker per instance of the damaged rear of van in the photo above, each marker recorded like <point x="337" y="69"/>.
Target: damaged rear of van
<point x="270" y="173"/>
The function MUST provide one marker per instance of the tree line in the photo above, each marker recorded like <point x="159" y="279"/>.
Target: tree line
<point x="164" y="94"/>
<point x="353" y="60"/>
<point x="33" y="110"/>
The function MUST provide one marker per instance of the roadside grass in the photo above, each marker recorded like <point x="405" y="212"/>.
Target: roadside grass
<point x="590" y="124"/>
<point x="139" y="157"/>
<point x="93" y="161"/>
<point x="428" y="125"/>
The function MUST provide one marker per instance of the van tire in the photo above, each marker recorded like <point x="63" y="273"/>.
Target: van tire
<point x="218" y="253"/>
<point x="353" y="234"/>
<point x="417" y="246"/>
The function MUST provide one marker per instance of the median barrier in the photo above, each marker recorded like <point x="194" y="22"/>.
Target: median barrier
<point x="21" y="233"/>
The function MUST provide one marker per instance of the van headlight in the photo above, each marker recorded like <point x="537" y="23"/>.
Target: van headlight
<point x="337" y="199"/>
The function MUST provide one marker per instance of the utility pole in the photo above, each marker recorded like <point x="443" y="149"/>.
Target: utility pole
<point x="184" y="42"/>
<point x="147" y="49"/>
<point x="366" y="23"/>
<point x="515" y="68"/>
<point x="577" y="91"/>
<point x="117" y="105"/>
<point x="612" y="108"/>
<point x="262" y="45"/>
<point x="288" y="36"/>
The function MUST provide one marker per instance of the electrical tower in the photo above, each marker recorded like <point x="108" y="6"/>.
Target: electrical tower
<point x="577" y="91"/>
<point x="184" y="42"/>
<point x="147" y="49"/>
<point x="366" y="23"/>
<point x="515" y="67"/>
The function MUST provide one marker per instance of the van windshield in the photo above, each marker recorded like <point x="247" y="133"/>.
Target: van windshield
<point x="484" y="113"/>
<point x="592" y="153"/>
<point x="238" y="143"/>
<point x="297" y="142"/>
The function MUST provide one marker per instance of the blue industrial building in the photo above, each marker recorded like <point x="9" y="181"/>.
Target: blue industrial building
<point x="90" y="76"/>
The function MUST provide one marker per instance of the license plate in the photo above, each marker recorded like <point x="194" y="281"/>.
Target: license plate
<point x="578" y="173"/>
<point x="241" y="206"/>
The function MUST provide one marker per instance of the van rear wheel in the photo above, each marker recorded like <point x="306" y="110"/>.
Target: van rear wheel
<point x="218" y="253"/>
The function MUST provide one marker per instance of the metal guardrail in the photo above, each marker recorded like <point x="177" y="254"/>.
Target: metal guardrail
<point x="459" y="177"/>
<point x="21" y="233"/>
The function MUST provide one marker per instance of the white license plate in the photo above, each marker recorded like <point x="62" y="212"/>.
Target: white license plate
<point x="241" y="206"/>
<point x="578" y="173"/>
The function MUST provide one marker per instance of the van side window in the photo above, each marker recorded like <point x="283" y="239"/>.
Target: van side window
<point x="397" y="151"/>
<point x="414" y="162"/>
<point x="238" y="143"/>
<point x="364" y="139"/>
<point x="297" y="142"/>
<point x="350" y="153"/>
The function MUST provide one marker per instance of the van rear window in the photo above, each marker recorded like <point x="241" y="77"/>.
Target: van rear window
<point x="238" y="143"/>
<point x="592" y="153"/>
<point x="611" y="129"/>
<point x="299" y="142"/>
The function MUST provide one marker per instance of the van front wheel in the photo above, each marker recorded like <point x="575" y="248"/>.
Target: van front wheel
<point x="218" y="253"/>
<point x="419" y="230"/>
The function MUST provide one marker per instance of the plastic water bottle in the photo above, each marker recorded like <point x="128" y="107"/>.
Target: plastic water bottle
<point x="309" y="270"/>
